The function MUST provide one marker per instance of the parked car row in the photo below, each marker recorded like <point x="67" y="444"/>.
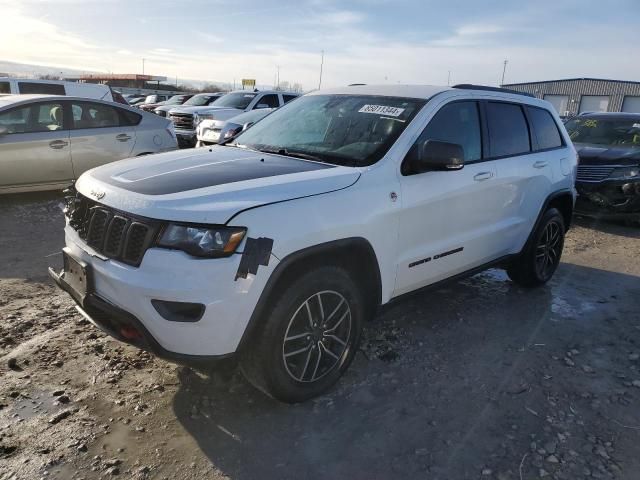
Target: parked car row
<point x="186" y="118"/>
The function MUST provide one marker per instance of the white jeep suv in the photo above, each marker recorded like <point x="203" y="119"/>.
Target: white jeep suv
<point x="276" y="249"/>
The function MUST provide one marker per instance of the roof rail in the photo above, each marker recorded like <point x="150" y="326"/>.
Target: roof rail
<point x="469" y="86"/>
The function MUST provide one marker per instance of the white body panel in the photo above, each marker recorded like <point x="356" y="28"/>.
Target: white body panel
<point x="404" y="219"/>
<point x="73" y="89"/>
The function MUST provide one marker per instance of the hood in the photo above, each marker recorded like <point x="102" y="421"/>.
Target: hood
<point x="209" y="185"/>
<point x="608" y="155"/>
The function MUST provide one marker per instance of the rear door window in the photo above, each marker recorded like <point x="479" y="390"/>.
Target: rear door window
<point x="41" y="88"/>
<point x="94" y="115"/>
<point x="508" y="129"/>
<point x="5" y="87"/>
<point x="288" y="98"/>
<point x="545" y="128"/>
<point x="34" y="118"/>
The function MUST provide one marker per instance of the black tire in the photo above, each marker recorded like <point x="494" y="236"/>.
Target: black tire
<point x="539" y="260"/>
<point x="269" y="361"/>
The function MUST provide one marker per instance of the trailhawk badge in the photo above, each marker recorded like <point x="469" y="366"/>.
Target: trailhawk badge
<point x="98" y="194"/>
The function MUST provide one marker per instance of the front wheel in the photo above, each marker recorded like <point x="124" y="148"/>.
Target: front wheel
<point x="308" y="338"/>
<point x="538" y="262"/>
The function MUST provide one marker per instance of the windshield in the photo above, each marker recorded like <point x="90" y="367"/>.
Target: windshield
<point x="175" y="100"/>
<point x="603" y="131"/>
<point x="354" y="130"/>
<point x="237" y="100"/>
<point x="198" y="100"/>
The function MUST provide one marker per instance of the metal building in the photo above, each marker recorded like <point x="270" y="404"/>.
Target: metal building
<point x="577" y="95"/>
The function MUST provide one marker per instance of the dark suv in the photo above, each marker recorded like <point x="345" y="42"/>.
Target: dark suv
<point x="608" y="181"/>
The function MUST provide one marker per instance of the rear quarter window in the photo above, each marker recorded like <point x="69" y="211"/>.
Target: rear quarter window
<point x="508" y="129"/>
<point x="545" y="128"/>
<point x="41" y="88"/>
<point x="128" y="118"/>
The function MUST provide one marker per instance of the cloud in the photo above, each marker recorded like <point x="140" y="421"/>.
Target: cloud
<point x="358" y="45"/>
<point x="209" y="38"/>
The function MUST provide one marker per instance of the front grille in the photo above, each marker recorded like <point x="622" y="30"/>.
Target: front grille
<point x="114" y="234"/>
<point x="183" y="121"/>
<point x="593" y="173"/>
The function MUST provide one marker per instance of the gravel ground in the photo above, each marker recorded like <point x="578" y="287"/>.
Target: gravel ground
<point x="478" y="380"/>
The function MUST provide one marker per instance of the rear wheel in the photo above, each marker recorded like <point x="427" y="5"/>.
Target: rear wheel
<point x="308" y="338"/>
<point x="541" y="257"/>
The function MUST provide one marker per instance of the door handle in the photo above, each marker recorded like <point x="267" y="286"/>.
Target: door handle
<point x="58" y="144"/>
<point x="123" y="137"/>
<point x="479" y="177"/>
<point x="540" y="164"/>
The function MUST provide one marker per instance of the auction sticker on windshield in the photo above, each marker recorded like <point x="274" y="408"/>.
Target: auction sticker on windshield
<point x="382" y="110"/>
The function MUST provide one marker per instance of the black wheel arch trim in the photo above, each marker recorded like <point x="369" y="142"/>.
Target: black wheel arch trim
<point x="328" y="248"/>
<point x="565" y="192"/>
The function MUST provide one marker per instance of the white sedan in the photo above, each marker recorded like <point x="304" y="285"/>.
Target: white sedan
<point x="47" y="141"/>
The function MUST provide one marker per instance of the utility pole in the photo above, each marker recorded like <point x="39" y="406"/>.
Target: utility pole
<point x="504" y="69"/>
<point x="278" y="77"/>
<point x="321" y="65"/>
<point x="449" y="78"/>
<point x="143" y="66"/>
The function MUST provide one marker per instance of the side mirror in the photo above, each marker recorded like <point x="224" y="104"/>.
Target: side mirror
<point x="433" y="155"/>
<point x="3" y="131"/>
<point x="262" y="105"/>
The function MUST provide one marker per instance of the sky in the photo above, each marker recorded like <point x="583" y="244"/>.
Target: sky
<point x="364" y="41"/>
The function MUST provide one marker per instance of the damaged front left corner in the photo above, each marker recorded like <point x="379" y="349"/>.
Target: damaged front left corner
<point x="256" y="252"/>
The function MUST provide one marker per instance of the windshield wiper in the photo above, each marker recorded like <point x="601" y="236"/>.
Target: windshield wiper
<point x="293" y="153"/>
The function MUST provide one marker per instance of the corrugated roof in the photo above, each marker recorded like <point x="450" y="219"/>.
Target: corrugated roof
<point x="572" y="80"/>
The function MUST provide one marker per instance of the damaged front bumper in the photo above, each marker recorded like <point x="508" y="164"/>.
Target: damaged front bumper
<point x="123" y="326"/>
<point x="144" y="305"/>
<point x="609" y="199"/>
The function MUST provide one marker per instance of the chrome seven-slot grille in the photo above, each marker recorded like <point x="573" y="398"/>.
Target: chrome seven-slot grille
<point x="182" y="121"/>
<point x="593" y="173"/>
<point x="111" y="233"/>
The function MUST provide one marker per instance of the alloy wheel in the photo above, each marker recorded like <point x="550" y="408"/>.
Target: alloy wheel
<point x="317" y="337"/>
<point x="548" y="250"/>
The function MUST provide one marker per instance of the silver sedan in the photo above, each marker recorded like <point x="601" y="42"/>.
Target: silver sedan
<point x="48" y="141"/>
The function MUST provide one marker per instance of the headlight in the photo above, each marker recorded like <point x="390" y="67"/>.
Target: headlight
<point x="233" y="130"/>
<point x="625" y="172"/>
<point x="201" y="116"/>
<point x="202" y="241"/>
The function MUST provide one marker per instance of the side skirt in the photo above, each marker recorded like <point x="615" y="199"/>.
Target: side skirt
<point x="499" y="262"/>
